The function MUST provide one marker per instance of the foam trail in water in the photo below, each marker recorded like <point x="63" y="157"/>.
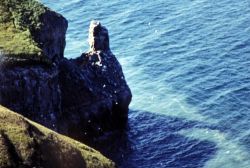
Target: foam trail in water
<point x="229" y="155"/>
<point x="157" y="97"/>
<point x="167" y="104"/>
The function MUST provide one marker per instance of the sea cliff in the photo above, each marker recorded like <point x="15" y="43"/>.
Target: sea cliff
<point x="83" y="97"/>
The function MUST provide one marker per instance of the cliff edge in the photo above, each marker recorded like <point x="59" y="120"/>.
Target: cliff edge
<point x="83" y="97"/>
<point x="31" y="31"/>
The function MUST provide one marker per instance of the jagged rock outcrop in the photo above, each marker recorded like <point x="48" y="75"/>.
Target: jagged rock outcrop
<point x="100" y="98"/>
<point x="82" y="97"/>
<point x="24" y="143"/>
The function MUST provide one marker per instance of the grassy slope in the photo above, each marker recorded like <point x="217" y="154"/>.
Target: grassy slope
<point x="23" y="142"/>
<point x="17" y="19"/>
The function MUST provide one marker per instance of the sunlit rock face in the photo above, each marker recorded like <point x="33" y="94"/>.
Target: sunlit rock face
<point x="98" y="37"/>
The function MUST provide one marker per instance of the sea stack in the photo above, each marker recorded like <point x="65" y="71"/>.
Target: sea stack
<point x="101" y="96"/>
<point x="98" y="37"/>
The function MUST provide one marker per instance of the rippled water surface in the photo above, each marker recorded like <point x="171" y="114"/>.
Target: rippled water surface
<point x="188" y="65"/>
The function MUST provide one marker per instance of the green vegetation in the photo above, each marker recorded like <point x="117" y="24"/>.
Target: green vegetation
<point x="17" y="20"/>
<point x="26" y="143"/>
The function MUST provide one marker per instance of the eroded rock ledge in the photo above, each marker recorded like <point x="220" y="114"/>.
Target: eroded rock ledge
<point x="83" y="97"/>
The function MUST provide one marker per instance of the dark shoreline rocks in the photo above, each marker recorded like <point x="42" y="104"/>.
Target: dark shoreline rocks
<point x="101" y="96"/>
<point x="83" y="97"/>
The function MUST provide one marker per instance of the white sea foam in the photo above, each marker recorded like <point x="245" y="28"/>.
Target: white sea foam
<point x="229" y="155"/>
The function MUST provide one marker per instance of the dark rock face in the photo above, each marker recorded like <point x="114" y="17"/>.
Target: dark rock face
<point x="82" y="97"/>
<point x="100" y="98"/>
<point x="33" y="91"/>
<point x="51" y="35"/>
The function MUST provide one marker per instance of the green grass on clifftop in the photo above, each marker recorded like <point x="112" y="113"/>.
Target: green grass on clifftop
<point x="26" y="143"/>
<point x="17" y="19"/>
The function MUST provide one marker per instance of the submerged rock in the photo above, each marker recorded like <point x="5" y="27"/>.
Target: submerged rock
<point x="24" y="143"/>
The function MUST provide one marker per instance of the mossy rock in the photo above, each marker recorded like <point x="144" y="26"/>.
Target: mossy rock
<point x="19" y="21"/>
<point x="24" y="143"/>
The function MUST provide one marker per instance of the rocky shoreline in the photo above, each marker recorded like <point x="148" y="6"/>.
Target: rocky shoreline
<point x="83" y="97"/>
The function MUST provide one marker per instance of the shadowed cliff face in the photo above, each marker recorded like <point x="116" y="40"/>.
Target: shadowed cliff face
<point x="32" y="90"/>
<point x="83" y="97"/>
<point x="100" y="98"/>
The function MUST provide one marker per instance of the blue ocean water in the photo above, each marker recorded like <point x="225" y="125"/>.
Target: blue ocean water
<point x="188" y="65"/>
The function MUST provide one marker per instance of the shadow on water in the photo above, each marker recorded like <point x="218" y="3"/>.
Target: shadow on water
<point x="152" y="140"/>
